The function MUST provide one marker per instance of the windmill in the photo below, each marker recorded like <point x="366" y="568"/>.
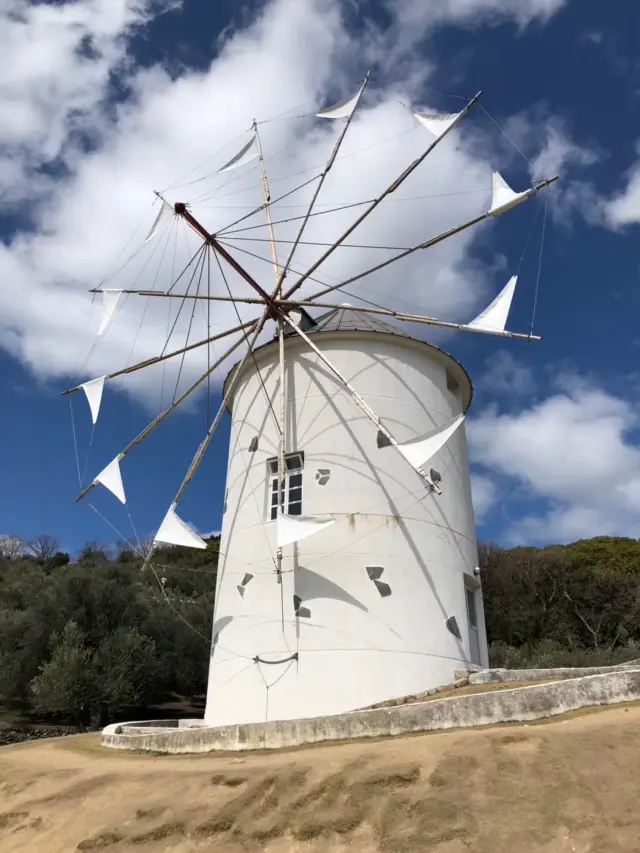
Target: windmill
<point x="347" y="571"/>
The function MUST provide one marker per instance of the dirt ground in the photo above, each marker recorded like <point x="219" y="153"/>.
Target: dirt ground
<point x="567" y="786"/>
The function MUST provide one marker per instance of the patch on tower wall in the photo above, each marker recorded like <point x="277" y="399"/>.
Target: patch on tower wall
<point x="245" y="580"/>
<point x="323" y="475"/>
<point x="452" y="625"/>
<point x="375" y="573"/>
<point x="299" y="610"/>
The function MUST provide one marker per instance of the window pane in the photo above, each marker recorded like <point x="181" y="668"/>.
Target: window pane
<point x="295" y="481"/>
<point x="274" y="512"/>
<point x="471" y="608"/>
<point x="295" y="495"/>
<point x="294" y="462"/>
<point x="295" y="509"/>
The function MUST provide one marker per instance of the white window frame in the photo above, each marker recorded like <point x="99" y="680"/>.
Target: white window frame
<point x="294" y="467"/>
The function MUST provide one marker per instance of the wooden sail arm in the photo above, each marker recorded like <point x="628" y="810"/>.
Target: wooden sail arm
<point x="181" y="210"/>
<point x="426" y="245"/>
<point x="230" y="388"/>
<point x="159" y="418"/>
<point x="390" y="189"/>
<point x="361" y="403"/>
<point x="157" y="359"/>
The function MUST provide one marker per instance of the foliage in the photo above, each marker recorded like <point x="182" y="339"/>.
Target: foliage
<point x="83" y="640"/>
<point x="88" y="639"/>
<point x="574" y="605"/>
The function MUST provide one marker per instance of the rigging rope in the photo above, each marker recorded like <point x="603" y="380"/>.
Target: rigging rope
<point x="535" y="298"/>
<point x="506" y="135"/>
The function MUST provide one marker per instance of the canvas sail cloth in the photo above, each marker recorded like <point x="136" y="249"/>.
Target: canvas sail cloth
<point x="165" y="216"/>
<point x="111" y="478"/>
<point x="343" y="109"/>
<point x="418" y="451"/>
<point x="437" y="124"/>
<point x="246" y="154"/>
<point x="110" y="299"/>
<point x="93" y="392"/>
<point x="504" y="198"/>
<point x="494" y="317"/>
<point x="294" y="528"/>
<point x="175" y="531"/>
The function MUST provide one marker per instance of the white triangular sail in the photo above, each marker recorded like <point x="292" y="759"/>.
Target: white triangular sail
<point x="110" y="299"/>
<point x="244" y="156"/>
<point x="343" y="109"/>
<point x="494" y="316"/>
<point x="437" y="124"/>
<point x="166" y="214"/>
<point x="93" y="392"/>
<point x="175" y="531"/>
<point x="504" y="198"/>
<point x="111" y="479"/>
<point x="418" y="451"/>
<point x="293" y="528"/>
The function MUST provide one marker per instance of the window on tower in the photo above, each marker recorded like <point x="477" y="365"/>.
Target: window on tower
<point x="292" y="496"/>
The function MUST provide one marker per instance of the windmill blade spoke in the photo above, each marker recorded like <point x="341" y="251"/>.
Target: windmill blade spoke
<point x="197" y="459"/>
<point x="327" y="169"/>
<point x="361" y="403"/>
<point x="174" y="405"/>
<point x="390" y="189"/>
<point x="160" y="358"/>
<point x="427" y="244"/>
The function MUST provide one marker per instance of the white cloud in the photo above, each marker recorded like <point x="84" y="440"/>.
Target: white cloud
<point x="574" y="450"/>
<point x="505" y="374"/>
<point x="624" y="208"/>
<point x="56" y="65"/>
<point x="522" y="12"/>
<point x="168" y="125"/>
<point x="485" y="495"/>
<point x="547" y="143"/>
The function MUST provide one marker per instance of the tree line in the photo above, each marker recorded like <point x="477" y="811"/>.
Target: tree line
<point x="86" y="639"/>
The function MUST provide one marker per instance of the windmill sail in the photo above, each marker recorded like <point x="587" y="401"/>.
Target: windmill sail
<point x="244" y="156"/>
<point x="111" y="479"/>
<point x="175" y="531"/>
<point x="418" y="451"/>
<point x="504" y="198"/>
<point x="93" y="392"/>
<point x="494" y="316"/>
<point x="165" y="215"/>
<point x="293" y="528"/>
<point x="437" y="124"/>
<point x="110" y="299"/>
<point x="343" y="109"/>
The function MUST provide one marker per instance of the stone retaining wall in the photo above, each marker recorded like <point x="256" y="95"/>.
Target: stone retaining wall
<point x="520" y="704"/>
<point x="492" y="676"/>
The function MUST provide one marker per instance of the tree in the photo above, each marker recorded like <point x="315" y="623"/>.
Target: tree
<point x="11" y="547"/>
<point x="64" y="685"/>
<point x="43" y="547"/>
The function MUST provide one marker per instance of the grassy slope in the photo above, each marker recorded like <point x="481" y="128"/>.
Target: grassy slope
<point x="569" y="785"/>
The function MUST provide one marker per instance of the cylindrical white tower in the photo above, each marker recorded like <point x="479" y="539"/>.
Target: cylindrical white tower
<point x="384" y="603"/>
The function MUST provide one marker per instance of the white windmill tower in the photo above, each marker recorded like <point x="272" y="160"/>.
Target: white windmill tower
<point x="347" y="572"/>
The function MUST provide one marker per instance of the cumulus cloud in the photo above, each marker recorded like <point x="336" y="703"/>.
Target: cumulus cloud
<point x="623" y="208"/>
<point x="572" y="450"/>
<point x="57" y="62"/>
<point x="505" y="374"/>
<point x="475" y="12"/>
<point x="96" y="195"/>
<point x="547" y="144"/>
<point x="485" y="494"/>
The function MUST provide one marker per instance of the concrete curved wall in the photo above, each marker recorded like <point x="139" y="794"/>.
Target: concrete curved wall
<point x="355" y="647"/>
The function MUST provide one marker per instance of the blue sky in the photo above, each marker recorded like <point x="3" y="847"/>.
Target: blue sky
<point x="99" y="107"/>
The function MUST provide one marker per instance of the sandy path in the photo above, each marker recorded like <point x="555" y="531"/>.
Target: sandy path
<point x="568" y="786"/>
